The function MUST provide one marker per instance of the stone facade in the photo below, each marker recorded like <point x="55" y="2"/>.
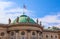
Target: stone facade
<point x="26" y="29"/>
<point x="48" y="34"/>
<point x="12" y="31"/>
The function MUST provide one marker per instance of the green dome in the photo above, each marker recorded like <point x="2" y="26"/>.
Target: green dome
<point x="24" y="19"/>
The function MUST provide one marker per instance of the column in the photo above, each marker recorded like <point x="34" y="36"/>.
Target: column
<point x="28" y="34"/>
<point x="17" y="34"/>
<point x="39" y="34"/>
<point x="8" y="35"/>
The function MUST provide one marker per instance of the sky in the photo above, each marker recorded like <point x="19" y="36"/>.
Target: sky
<point x="47" y="11"/>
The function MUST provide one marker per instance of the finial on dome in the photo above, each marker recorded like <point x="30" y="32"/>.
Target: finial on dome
<point x="24" y="6"/>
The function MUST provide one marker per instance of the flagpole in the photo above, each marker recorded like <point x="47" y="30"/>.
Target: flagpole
<point x="24" y="8"/>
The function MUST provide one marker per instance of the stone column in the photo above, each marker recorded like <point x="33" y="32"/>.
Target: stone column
<point x="17" y="34"/>
<point x="37" y="34"/>
<point x="8" y="35"/>
<point x="28" y="34"/>
<point x="59" y="35"/>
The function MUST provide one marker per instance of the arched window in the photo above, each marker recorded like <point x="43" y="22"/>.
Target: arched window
<point x="12" y="33"/>
<point x="2" y="34"/>
<point x="46" y="36"/>
<point x="23" y="33"/>
<point x="51" y="36"/>
<point x="0" y="37"/>
<point x="55" y="36"/>
<point x="39" y="33"/>
<point x="33" y="33"/>
<point x="11" y="38"/>
<point x="39" y="38"/>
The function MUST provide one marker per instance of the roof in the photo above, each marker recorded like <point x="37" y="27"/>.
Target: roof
<point x="24" y="19"/>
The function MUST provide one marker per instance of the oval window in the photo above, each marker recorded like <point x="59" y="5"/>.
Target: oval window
<point x="23" y="33"/>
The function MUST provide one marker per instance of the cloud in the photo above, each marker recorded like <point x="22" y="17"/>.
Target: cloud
<point x="9" y="9"/>
<point x="4" y="5"/>
<point x="50" y="20"/>
<point x="3" y="8"/>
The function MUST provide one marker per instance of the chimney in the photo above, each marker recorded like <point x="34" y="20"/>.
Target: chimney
<point x="17" y="19"/>
<point x="9" y="20"/>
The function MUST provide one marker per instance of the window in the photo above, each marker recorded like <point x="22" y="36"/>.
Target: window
<point x="42" y="35"/>
<point x="33" y="33"/>
<point x="12" y="33"/>
<point x="33" y="38"/>
<point x="11" y="38"/>
<point x="39" y="38"/>
<point x="23" y="33"/>
<point x="46" y="36"/>
<point x="39" y="34"/>
<point x="55" y="36"/>
<point x="22" y="37"/>
<point x="2" y="34"/>
<point x="0" y="38"/>
<point x="51" y="36"/>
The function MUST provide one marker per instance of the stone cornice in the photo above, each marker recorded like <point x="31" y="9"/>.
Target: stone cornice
<point x="21" y="24"/>
<point x="3" y="25"/>
<point x="26" y="24"/>
<point x="52" y="31"/>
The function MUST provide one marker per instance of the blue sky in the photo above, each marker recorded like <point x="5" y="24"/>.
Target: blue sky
<point x="40" y="7"/>
<point x="47" y="11"/>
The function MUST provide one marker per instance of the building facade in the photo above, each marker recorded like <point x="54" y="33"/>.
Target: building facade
<point x="24" y="27"/>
